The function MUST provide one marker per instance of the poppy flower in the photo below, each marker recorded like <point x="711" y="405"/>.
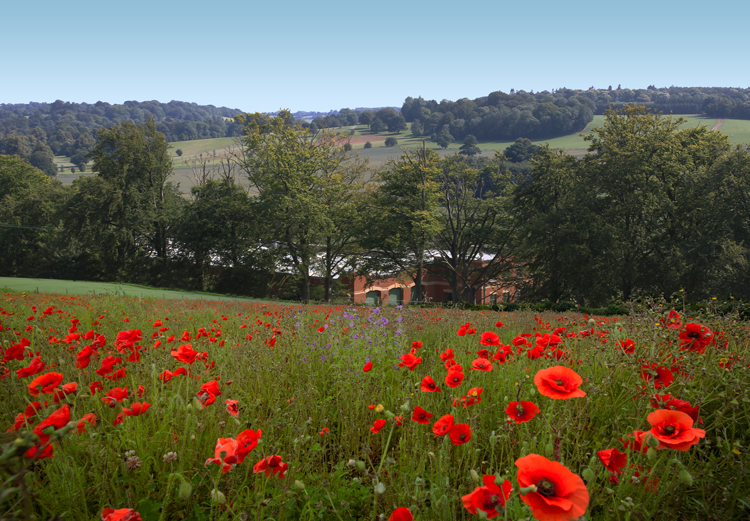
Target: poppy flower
<point x="399" y="420"/>
<point x="185" y="354"/>
<point x="367" y="367"/>
<point x="421" y="416"/>
<point x="19" y="422"/>
<point x="481" y="364"/>
<point x="416" y="345"/>
<point x="613" y="459"/>
<point x="460" y="434"/>
<point x="115" y="395"/>
<point x="410" y="361"/>
<point x="58" y="420"/>
<point x="89" y="418"/>
<point x="122" y="514"/>
<point x="208" y="393"/>
<point x="489" y="498"/>
<point x="271" y="465"/>
<point x="454" y="378"/>
<point x="695" y="338"/>
<point x="637" y="443"/>
<point x="488" y="338"/>
<point x="627" y="346"/>
<point x="32" y="409"/>
<point x="674" y="429"/>
<point x="117" y="375"/>
<point x="522" y="412"/>
<point x="447" y="355"/>
<point x="233" y="408"/>
<point x="95" y="386"/>
<point x="560" y="495"/>
<point x="65" y="390"/>
<point x="484" y="353"/>
<point x="247" y="440"/>
<point x="443" y="425"/>
<point x="498" y="324"/>
<point x="36" y="366"/>
<point x="559" y="383"/>
<point x="429" y="386"/>
<point x="136" y="409"/>
<point x="45" y="383"/>
<point x="401" y="514"/>
<point x="324" y="431"/>
<point x="108" y="365"/>
<point x="379" y="424"/>
<point x="225" y="454"/>
<point x="658" y="374"/>
<point x="672" y="321"/>
<point x="83" y="357"/>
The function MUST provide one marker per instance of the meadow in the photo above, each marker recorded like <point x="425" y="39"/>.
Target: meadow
<point x="194" y="409"/>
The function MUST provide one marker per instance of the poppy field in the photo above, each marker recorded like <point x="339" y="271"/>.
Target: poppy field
<point x="119" y="408"/>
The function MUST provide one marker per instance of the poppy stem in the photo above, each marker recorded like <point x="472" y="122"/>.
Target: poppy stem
<point x="385" y="450"/>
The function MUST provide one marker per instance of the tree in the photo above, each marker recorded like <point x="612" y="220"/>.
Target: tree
<point x="293" y="171"/>
<point x="522" y="150"/>
<point x="404" y="218"/>
<point x="416" y="128"/>
<point x="397" y="124"/>
<point x="368" y="144"/>
<point x="178" y="152"/>
<point x="367" y="117"/>
<point x="43" y="159"/>
<point x="377" y="126"/>
<point x="391" y="142"/>
<point x="443" y="138"/>
<point x="475" y="242"/>
<point x="126" y="212"/>
<point x="470" y="148"/>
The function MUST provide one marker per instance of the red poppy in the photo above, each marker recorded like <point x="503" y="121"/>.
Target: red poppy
<point x="58" y="420"/>
<point x="454" y="378"/>
<point x="672" y="321"/>
<point x="447" y="355"/>
<point x="443" y="425"/>
<point x="95" y="386"/>
<point x="367" y="367"/>
<point x="136" y="409"/>
<point x="379" y="424"/>
<point x="421" y="416"/>
<point x="410" y="361"/>
<point x="65" y="390"/>
<point x="416" y="345"/>
<point x="637" y="443"/>
<point x="481" y="364"/>
<point x="123" y="514"/>
<point x="115" y="395"/>
<point x="117" y="375"/>
<point x="19" y="422"/>
<point x="247" y="440"/>
<point x="560" y="495"/>
<point x="208" y="393"/>
<point x="126" y="339"/>
<point x="484" y="353"/>
<point x="627" y="346"/>
<point x="108" y="365"/>
<point x="45" y="383"/>
<point x="460" y="434"/>
<point x="185" y="354"/>
<point x="233" y="408"/>
<point x="324" y="431"/>
<point x="271" y="465"/>
<point x="83" y="358"/>
<point x="488" y="338"/>
<point x="401" y="514"/>
<point x="36" y="366"/>
<point x="658" y="374"/>
<point x="613" y="459"/>
<point x="490" y="498"/>
<point x="472" y="397"/>
<point x="547" y="340"/>
<point x="522" y="412"/>
<point x="225" y="454"/>
<point x="674" y="429"/>
<point x="89" y="418"/>
<point x="429" y="385"/>
<point x="498" y="324"/>
<point x="32" y="409"/>
<point x="559" y="383"/>
<point x="695" y="338"/>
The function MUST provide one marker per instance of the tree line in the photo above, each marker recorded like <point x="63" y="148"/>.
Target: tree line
<point x="651" y="209"/>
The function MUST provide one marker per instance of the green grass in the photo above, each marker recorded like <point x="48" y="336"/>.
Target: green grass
<point x="77" y="287"/>
<point x="738" y="130"/>
<point x="296" y="372"/>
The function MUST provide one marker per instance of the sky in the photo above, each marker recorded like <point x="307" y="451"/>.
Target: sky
<point x="324" y="55"/>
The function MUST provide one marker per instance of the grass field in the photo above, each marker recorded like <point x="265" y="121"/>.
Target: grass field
<point x="213" y="410"/>
<point x="77" y="287"/>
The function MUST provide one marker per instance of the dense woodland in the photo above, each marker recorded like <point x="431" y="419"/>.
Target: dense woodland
<point x="651" y="209"/>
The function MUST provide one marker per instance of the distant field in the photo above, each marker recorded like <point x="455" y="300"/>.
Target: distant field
<point x="72" y="287"/>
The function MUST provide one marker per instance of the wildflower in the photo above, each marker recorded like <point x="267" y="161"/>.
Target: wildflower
<point x="377" y="425"/>
<point x="447" y="355"/>
<point x="123" y="514"/>
<point x="674" y="429"/>
<point x="421" y="416"/>
<point x="208" y="393"/>
<point x="559" y="383"/>
<point x="460" y="434"/>
<point x="58" y="420"/>
<point x="133" y="463"/>
<point x="247" y="440"/>
<point x="521" y="412"/>
<point x="271" y="465"/>
<point x="324" y="431"/>
<point x="488" y="338"/>
<point x="454" y="378"/>
<point x="401" y="514"/>
<point x="185" y="354"/>
<point x="169" y="457"/>
<point x="36" y="366"/>
<point x="672" y="321"/>
<point x="638" y="442"/>
<point x="89" y="418"/>
<point x="481" y="364"/>
<point x="428" y="385"/>
<point x="379" y="408"/>
<point x="443" y="425"/>
<point x="225" y="454"/>
<point x="136" y="409"/>
<point x="489" y="498"/>
<point x="627" y="346"/>
<point x="115" y="395"/>
<point x="658" y="374"/>
<point x="108" y="365"/>
<point x="695" y="338"/>
<point x="560" y="495"/>
<point x="416" y="345"/>
<point x="367" y="367"/>
<point x="410" y="361"/>
<point x="614" y="460"/>
<point x="95" y="386"/>
<point x="45" y="383"/>
<point x="233" y="408"/>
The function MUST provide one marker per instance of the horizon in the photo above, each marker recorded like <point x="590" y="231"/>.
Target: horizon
<point x="319" y="59"/>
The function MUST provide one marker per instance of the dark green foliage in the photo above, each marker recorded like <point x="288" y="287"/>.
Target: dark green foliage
<point x="368" y="144"/>
<point x="470" y="148"/>
<point x="522" y="150"/>
<point x="178" y="152"/>
<point x="391" y="142"/>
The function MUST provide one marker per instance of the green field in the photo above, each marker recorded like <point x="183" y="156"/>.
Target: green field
<point x="77" y="287"/>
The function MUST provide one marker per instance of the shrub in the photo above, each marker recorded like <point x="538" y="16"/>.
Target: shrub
<point x="391" y="142"/>
<point x="368" y="145"/>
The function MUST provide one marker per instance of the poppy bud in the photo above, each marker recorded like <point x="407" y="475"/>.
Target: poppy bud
<point x="406" y="407"/>
<point x="390" y="415"/>
<point x="651" y="453"/>
<point x="609" y="490"/>
<point x="218" y="497"/>
<point x="588" y="474"/>
<point x="360" y="466"/>
<point x="651" y="441"/>
<point x="685" y="477"/>
<point x="185" y="490"/>
<point x="299" y="485"/>
<point x="493" y="439"/>
<point x="474" y="476"/>
<point x="528" y="490"/>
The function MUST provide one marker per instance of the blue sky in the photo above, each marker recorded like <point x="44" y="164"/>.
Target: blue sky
<point x="306" y="55"/>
